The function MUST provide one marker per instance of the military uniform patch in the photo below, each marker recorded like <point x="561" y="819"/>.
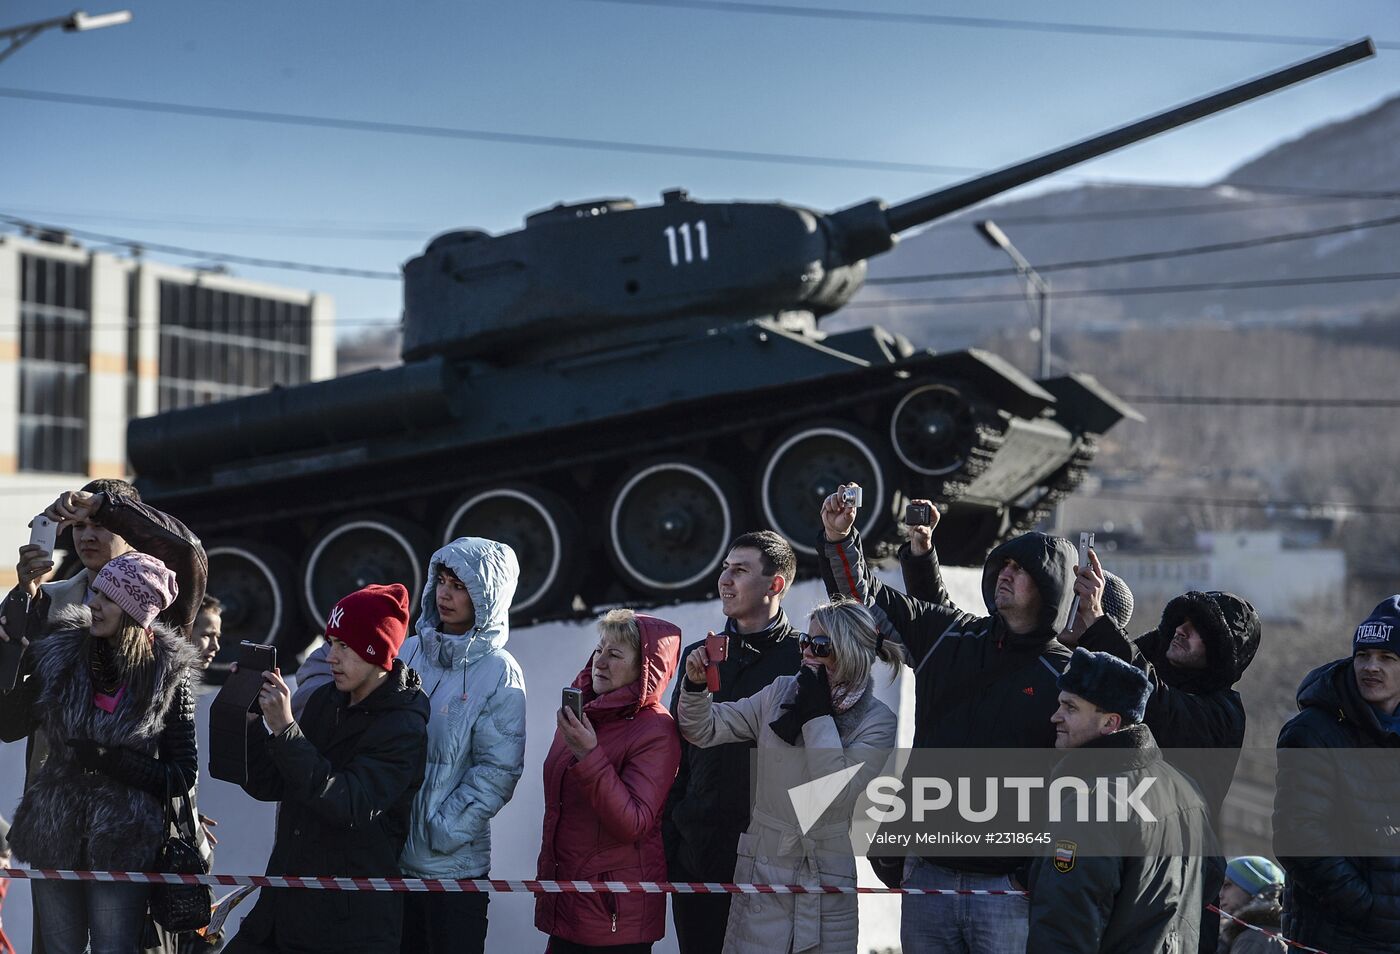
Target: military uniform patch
<point x="1064" y="855"/>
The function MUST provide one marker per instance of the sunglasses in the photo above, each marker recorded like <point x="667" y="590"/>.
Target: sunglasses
<point x="820" y="645"/>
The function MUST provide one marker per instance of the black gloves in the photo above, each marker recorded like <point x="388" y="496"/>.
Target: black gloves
<point x="813" y="701"/>
<point x="92" y="756"/>
<point x="890" y="871"/>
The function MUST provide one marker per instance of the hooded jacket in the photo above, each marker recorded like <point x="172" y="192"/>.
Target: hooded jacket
<point x="346" y="776"/>
<point x="476" y="691"/>
<point x="1135" y="888"/>
<point x="1339" y="903"/>
<point x="709" y="805"/>
<point x="602" y="815"/>
<point x="114" y="818"/>
<point x="1191" y="710"/>
<point x="976" y="683"/>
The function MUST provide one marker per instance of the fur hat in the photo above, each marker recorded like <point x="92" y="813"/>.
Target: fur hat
<point x="373" y="622"/>
<point x="1381" y="630"/>
<point x="140" y="584"/>
<point x="1108" y="682"/>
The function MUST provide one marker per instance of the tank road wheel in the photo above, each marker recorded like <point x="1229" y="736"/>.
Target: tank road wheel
<point x="807" y="464"/>
<point x="669" y="523"/>
<point x="538" y="526"/>
<point x="356" y="551"/>
<point x="257" y="586"/>
<point x="933" y="430"/>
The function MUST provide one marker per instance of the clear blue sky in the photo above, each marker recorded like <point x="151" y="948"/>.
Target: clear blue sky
<point x="903" y="92"/>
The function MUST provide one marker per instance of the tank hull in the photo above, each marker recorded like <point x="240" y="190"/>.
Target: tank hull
<point x="632" y="467"/>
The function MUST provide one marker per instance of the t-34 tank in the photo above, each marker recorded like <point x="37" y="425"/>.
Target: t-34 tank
<point x="617" y="390"/>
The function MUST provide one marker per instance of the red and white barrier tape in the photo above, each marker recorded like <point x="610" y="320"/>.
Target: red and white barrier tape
<point x="478" y="885"/>
<point x="1273" y="934"/>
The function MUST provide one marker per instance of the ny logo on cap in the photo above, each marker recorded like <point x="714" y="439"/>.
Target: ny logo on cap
<point x="337" y="615"/>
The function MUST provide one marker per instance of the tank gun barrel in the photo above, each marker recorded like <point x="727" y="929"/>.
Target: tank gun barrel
<point x="859" y="222"/>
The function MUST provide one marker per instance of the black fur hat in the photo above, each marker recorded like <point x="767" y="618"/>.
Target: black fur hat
<point x="1108" y="682"/>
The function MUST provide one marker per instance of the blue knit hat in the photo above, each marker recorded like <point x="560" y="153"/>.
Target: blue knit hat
<point x="1108" y="682"/>
<point x="1381" y="630"/>
<point x="1253" y="873"/>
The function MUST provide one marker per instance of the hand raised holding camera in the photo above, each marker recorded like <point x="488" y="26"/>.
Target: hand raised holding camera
<point x="696" y="663"/>
<point x="921" y="516"/>
<point x="839" y="512"/>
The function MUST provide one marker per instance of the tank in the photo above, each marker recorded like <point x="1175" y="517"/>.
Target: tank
<point x="617" y="390"/>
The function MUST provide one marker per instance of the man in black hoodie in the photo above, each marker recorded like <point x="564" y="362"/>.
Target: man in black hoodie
<point x="979" y="682"/>
<point x="1336" y="820"/>
<point x="708" y="808"/>
<point x="1193" y="659"/>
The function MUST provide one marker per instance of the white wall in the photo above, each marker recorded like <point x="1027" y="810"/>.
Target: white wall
<point x="551" y="656"/>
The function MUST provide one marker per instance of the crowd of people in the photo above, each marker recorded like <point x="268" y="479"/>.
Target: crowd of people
<point x="399" y="741"/>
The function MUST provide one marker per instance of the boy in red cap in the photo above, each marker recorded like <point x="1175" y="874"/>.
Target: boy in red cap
<point x="346" y="776"/>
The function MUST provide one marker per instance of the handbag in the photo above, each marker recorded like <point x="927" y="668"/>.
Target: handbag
<point x="180" y="907"/>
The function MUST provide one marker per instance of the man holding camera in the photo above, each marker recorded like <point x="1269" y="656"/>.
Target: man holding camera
<point x="979" y="682"/>
<point x="708" y="808"/>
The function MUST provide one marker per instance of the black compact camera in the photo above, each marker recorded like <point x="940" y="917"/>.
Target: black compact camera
<point x="918" y="515"/>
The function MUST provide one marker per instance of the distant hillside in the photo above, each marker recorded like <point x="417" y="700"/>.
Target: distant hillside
<point x="1098" y="221"/>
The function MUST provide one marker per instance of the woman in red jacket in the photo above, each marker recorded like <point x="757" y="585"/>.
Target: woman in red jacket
<point x="606" y="779"/>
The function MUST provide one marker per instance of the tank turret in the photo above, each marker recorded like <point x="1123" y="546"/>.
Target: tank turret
<point x="617" y="390"/>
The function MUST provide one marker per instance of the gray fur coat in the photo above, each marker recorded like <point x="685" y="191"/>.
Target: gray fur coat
<point x="69" y="818"/>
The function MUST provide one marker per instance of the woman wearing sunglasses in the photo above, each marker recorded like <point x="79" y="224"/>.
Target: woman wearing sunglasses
<point x="829" y="711"/>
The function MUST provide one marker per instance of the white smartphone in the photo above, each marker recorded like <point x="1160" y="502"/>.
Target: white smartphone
<point x="43" y="532"/>
<point x="1086" y="540"/>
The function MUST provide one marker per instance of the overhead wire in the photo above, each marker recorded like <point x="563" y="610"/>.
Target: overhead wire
<point x="1130" y="290"/>
<point x="1140" y="257"/>
<point x="991" y="23"/>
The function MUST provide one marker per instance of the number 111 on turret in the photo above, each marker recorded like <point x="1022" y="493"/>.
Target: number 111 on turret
<point x="685" y="253"/>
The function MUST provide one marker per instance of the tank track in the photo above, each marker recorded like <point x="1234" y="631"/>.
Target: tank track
<point x="1058" y="486"/>
<point x="987" y="442"/>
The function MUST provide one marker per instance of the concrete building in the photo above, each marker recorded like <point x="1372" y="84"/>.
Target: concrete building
<point x="1279" y="580"/>
<point x="89" y="340"/>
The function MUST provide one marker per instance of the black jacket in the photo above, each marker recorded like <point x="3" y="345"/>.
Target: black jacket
<point x="1194" y="710"/>
<point x="346" y="776"/>
<point x="708" y="808"/>
<point x="1130" y="888"/>
<point x="976" y="684"/>
<point x="1339" y="903"/>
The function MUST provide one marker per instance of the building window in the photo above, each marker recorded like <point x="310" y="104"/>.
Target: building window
<point x="216" y="345"/>
<point x="55" y="344"/>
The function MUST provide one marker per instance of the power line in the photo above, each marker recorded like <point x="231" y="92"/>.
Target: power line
<point x="1224" y="401"/>
<point x="1146" y="256"/>
<point x="990" y="23"/>
<point x="1164" y="212"/>
<point x="481" y="135"/>
<point x="1132" y="290"/>
<point x="1320" y="507"/>
<point x="205" y="254"/>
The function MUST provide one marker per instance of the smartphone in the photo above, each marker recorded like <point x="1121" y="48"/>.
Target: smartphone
<point x="573" y="701"/>
<point x="43" y="533"/>
<point x="16" y="613"/>
<point x="254" y="659"/>
<point x="918" y="515"/>
<point x="1086" y="541"/>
